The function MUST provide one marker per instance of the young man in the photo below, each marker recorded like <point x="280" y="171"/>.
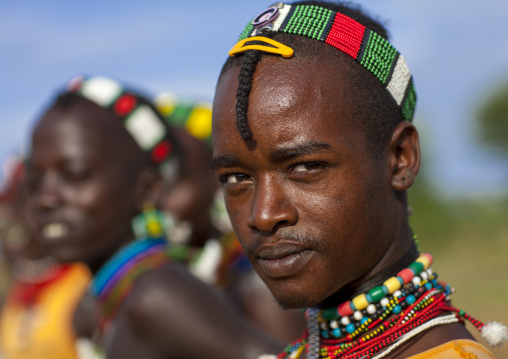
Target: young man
<point x="315" y="149"/>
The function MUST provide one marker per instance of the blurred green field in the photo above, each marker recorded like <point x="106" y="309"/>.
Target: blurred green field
<point x="468" y="239"/>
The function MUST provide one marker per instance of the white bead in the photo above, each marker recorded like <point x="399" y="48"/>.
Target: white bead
<point x="344" y="320"/>
<point x="429" y="271"/>
<point x="397" y="293"/>
<point x="416" y="280"/>
<point x="357" y="315"/>
<point x="334" y="324"/>
<point x="371" y="309"/>
<point x="384" y="302"/>
<point x="324" y="326"/>
<point x="424" y="275"/>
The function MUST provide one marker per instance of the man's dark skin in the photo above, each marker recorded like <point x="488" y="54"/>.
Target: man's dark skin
<point x="87" y="174"/>
<point x="317" y="212"/>
<point x="189" y="198"/>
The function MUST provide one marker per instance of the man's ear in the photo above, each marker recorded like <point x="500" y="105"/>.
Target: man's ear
<point x="404" y="155"/>
<point x="148" y="187"/>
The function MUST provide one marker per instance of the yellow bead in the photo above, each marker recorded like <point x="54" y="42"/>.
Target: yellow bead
<point x="425" y="261"/>
<point x="360" y="302"/>
<point x="392" y="284"/>
<point x="199" y="123"/>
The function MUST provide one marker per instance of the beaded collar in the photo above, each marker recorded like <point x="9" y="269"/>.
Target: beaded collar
<point x="368" y="48"/>
<point x="373" y="324"/>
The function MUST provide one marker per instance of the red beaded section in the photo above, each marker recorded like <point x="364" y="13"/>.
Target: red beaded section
<point x="406" y="275"/>
<point x="125" y="104"/>
<point x="346" y="35"/>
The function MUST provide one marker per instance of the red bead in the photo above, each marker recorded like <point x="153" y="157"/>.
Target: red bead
<point x="344" y="309"/>
<point x="161" y="151"/>
<point x="406" y="275"/>
<point x="125" y="104"/>
<point x="428" y="256"/>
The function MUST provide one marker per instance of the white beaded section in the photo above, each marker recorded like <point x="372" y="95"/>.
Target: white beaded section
<point x="101" y="90"/>
<point x="452" y="318"/>
<point x="344" y="320"/>
<point x="400" y="80"/>
<point x="146" y="128"/>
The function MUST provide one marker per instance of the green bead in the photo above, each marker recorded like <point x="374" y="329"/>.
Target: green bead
<point x="329" y="313"/>
<point x="417" y="267"/>
<point x="461" y="313"/>
<point x="377" y="293"/>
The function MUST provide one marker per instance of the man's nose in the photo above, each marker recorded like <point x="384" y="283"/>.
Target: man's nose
<point x="49" y="192"/>
<point x="272" y="208"/>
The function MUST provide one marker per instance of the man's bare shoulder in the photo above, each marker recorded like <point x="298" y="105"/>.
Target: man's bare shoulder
<point x="164" y="296"/>
<point x="169" y="310"/>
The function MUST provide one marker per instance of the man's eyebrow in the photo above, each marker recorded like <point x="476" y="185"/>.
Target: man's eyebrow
<point x="225" y="161"/>
<point x="284" y="154"/>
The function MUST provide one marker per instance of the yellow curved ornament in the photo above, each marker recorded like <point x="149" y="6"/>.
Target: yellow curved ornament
<point x="276" y="48"/>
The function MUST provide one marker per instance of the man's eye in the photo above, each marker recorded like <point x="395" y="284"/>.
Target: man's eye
<point x="234" y="178"/>
<point x="306" y="167"/>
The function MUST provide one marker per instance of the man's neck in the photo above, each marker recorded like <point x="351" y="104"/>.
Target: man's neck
<point x="362" y="286"/>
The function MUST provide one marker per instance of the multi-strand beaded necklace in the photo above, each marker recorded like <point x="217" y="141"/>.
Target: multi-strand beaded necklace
<point x="114" y="281"/>
<point x="373" y="324"/>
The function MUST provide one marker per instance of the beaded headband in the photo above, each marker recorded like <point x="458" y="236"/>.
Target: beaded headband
<point x="194" y="116"/>
<point x="368" y="48"/>
<point x="140" y="120"/>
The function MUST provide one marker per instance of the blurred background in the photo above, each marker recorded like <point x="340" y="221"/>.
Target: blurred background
<point x="456" y="51"/>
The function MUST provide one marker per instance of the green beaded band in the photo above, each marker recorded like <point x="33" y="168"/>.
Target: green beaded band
<point x="368" y="48"/>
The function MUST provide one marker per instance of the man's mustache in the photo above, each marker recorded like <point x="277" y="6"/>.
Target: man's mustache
<point x="286" y="234"/>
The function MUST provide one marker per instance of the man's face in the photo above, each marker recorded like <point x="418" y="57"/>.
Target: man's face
<point x="81" y="198"/>
<point x="312" y="207"/>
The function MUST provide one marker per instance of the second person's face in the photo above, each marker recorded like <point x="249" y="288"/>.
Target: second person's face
<point x="82" y="197"/>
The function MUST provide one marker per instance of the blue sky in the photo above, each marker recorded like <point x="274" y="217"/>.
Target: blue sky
<point x="455" y="49"/>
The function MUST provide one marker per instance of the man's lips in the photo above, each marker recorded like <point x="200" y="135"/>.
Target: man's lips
<point x="282" y="259"/>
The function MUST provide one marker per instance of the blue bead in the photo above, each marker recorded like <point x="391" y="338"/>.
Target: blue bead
<point x="364" y="320"/>
<point x="397" y="309"/>
<point x="350" y="328"/>
<point x="368" y="297"/>
<point x="428" y="286"/>
<point x="336" y="333"/>
<point x="401" y="281"/>
<point x="385" y="289"/>
<point x="352" y="306"/>
<point x="324" y="334"/>
<point x="410" y="299"/>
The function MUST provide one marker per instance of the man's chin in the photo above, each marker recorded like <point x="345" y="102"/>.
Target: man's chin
<point x="294" y="301"/>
